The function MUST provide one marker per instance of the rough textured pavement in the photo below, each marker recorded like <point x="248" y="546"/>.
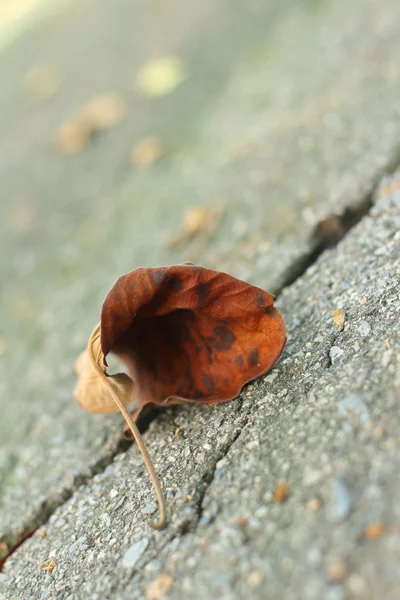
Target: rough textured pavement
<point x="290" y="116"/>
<point x="324" y="421"/>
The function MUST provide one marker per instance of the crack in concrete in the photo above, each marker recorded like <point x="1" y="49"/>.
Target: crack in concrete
<point x="332" y="229"/>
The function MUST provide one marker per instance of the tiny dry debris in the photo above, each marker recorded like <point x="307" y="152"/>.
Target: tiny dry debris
<point x="48" y="566"/>
<point x="339" y="317"/>
<point x="159" y="587"/>
<point x="337" y="570"/>
<point x="199" y="222"/>
<point x="314" y="504"/>
<point x="281" y="493"/>
<point x="374" y="530"/>
<point x="146" y="152"/>
<point x="102" y="112"/>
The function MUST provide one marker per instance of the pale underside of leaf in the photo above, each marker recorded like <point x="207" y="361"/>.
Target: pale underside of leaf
<point x="90" y="392"/>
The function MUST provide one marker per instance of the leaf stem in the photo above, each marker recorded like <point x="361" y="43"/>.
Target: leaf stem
<point x="162" y="521"/>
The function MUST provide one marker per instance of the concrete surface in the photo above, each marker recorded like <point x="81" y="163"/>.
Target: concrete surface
<point x="291" y="115"/>
<point x="324" y="421"/>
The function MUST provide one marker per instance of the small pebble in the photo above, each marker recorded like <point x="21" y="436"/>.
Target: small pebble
<point x="149" y="509"/>
<point x="352" y="404"/>
<point x="356" y="585"/>
<point x="133" y="553"/>
<point x="341" y="502"/>
<point x="364" y="328"/>
<point x="113" y="493"/>
<point x="335" y="353"/>
<point x="255" y="578"/>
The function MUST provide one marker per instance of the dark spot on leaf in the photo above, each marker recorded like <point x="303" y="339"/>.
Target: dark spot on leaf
<point x="260" y="300"/>
<point x="197" y="394"/>
<point x="253" y="358"/>
<point x="175" y="283"/>
<point x="208" y="382"/>
<point x="198" y="349"/>
<point x="224" y="338"/>
<point x="202" y="291"/>
<point x="270" y="310"/>
<point x="239" y="360"/>
<point x="226" y="381"/>
<point x="117" y="318"/>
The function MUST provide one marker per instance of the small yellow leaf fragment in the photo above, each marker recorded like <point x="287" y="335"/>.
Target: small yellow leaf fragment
<point x="43" y="81"/>
<point x="374" y="530"/>
<point x="42" y="533"/>
<point x="159" y="587"/>
<point x="339" y="317"/>
<point x="281" y="493"/>
<point x="48" y="566"/>
<point x="363" y="300"/>
<point x="146" y="152"/>
<point x="161" y="76"/>
<point x="177" y="430"/>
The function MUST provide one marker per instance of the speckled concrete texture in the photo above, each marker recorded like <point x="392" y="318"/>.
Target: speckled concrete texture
<point x="324" y="423"/>
<point x="290" y="115"/>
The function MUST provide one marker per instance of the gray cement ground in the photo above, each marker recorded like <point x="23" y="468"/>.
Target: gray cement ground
<point x="291" y="115"/>
<point x="325" y="421"/>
